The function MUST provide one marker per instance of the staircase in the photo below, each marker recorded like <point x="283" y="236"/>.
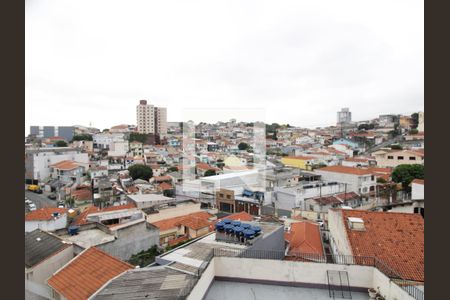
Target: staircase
<point x="338" y="285"/>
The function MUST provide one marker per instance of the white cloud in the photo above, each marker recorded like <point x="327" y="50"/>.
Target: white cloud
<point x="301" y="60"/>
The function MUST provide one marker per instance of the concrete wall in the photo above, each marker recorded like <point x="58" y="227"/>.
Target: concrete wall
<point x="131" y="240"/>
<point x="417" y="191"/>
<point x="41" y="272"/>
<point x="271" y="242"/>
<point x="51" y="225"/>
<point x="205" y="281"/>
<point x="289" y="271"/>
<point x="387" y="288"/>
<point x="338" y="234"/>
<point x="354" y="182"/>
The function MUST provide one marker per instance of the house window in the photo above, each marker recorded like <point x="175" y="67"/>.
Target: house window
<point x="228" y="196"/>
<point x="400" y="157"/>
<point x="412" y="158"/>
<point x="390" y="157"/>
<point x="372" y="178"/>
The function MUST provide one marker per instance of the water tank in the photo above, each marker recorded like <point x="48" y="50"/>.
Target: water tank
<point x="228" y="228"/>
<point x="245" y="226"/>
<point x="73" y="230"/>
<point x="256" y="229"/>
<point x="227" y="221"/>
<point x="219" y="226"/>
<point x="249" y="234"/>
<point x="236" y="223"/>
<point x="238" y="230"/>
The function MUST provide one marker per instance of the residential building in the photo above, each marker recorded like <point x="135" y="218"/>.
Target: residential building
<point x="287" y="198"/>
<point x="358" y="180"/>
<point x="121" y="231"/>
<point x="304" y="237"/>
<point x="171" y="210"/>
<point x="397" y="239"/>
<point x="421" y="125"/>
<point x="300" y="162"/>
<point x="149" y="200"/>
<point x="225" y="201"/>
<point x="119" y="149"/>
<point x="85" y="274"/>
<point x="322" y="204"/>
<point x="393" y="158"/>
<point x="418" y="189"/>
<point x="151" y="119"/>
<point x="189" y="226"/>
<point x="67" y="171"/>
<point x="39" y="160"/>
<point x="66" y="132"/>
<point x="45" y="253"/>
<point x="46" y="218"/>
<point x="136" y="148"/>
<point x="344" y="116"/>
<point x="104" y="141"/>
<point x="388" y="120"/>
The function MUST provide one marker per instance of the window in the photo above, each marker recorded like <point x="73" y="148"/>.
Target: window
<point x="228" y="196"/>
<point x="390" y="157"/>
<point x="400" y="157"/>
<point x="372" y="178"/>
<point x="412" y="158"/>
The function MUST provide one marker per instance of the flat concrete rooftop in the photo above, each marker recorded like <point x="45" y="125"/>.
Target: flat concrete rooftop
<point x="223" y="290"/>
<point x="89" y="238"/>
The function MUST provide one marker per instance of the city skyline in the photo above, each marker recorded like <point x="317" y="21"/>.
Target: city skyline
<point x="301" y="64"/>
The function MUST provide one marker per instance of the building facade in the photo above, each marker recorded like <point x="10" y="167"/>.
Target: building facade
<point x="344" y="116"/>
<point x="66" y="132"/>
<point x="151" y="119"/>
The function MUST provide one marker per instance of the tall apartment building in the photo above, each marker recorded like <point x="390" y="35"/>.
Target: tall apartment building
<point x="344" y="116"/>
<point x="151" y="119"/>
<point x="67" y="132"/>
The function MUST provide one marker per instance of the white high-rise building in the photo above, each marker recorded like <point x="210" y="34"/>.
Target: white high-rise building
<point x="151" y="119"/>
<point x="344" y="116"/>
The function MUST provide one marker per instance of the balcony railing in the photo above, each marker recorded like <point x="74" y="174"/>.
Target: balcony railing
<point x="408" y="285"/>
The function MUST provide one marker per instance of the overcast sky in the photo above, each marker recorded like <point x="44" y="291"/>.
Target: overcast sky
<point x="295" y="62"/>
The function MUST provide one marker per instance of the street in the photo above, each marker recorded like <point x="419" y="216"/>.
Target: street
<point x="40" y="200"/>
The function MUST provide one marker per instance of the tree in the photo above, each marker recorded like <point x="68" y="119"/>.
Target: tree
<point x="415" y="120"/>
<point x="243" y="146"/>
<point x="396" y="147"/>
<point x="274" y="136"/>
<point x="144" y="258"/>
<point x="140" y="172"/>
<point x="82" y="137"/>
<point x="139" y="137"/>
<point x="60" y="144"/>
<point x="210" y="172"/>
<point x="404" y="174"/>
<point x="173" y="169"/>
<point x="413" y="131"/>
<point x="381" y="180"/>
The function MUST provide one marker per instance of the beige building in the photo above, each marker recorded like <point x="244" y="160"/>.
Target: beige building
<point x="393" y="158"/>
<point x="151" y="119"/>
<point x="421" y="126"/>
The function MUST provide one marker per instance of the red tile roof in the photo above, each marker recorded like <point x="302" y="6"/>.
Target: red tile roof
<point x="418" y="181"/>
<point x="346" y="170"/>
<point x="301" y="157"/>
<point x="174" y="222"/>
<point x="162" y="178"/>
<point x="87" y="273"/>
<point x="304" y="237"/>
<point x="82" y="194"/>
<point x="44" y="214"/>
<point x="82" y="217"/>
<point x="203" y="166"/>
<point x="241" y="216"/>
<point x="165" y="186"/>
<point x="65" y="165"/>
<point x="195" y="223"/>
<point x="397" y="239"/>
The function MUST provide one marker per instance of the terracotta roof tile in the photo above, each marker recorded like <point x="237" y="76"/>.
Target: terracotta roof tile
<point x="346" y="170"/>
<point x="397" y="239"/>
<point x="44" y="214"/>
<point x="65" y="165"/>
<point x="174" y="222"/>
<point x="87" y="273"/>
<point x="304" y="237"/>
<point x="241" y="216"/>
<point x="165" y="186"/>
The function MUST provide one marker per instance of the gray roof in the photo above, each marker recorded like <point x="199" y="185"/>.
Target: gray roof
<point x="39" y="245"/>
<point x="147" y="283"/>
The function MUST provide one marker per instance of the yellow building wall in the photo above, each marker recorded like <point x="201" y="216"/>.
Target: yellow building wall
<point x="294" y="162"/>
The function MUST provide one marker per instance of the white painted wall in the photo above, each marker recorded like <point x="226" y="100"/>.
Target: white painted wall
<point x="204" y="282"/>
<point x="338" y="234"/>
<point x="417" y="191"/>
<point x="289" y="271"/>
<point x="354" y="182"/>
<point x="51" y="225"/>
<point x="387" y="288"/>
